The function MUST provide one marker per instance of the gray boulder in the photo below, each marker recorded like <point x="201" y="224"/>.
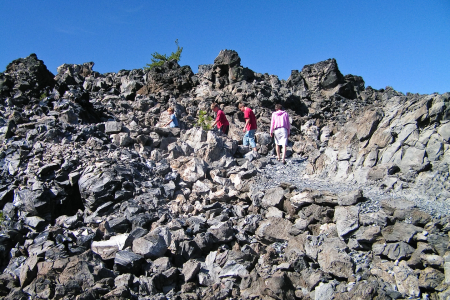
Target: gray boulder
<point x="274" y="230"/>
<point x="394" y="251"/>
<point x="334" y="259"/>
<point x="108" y="249"/>
<point x="113" y="127"/>
<point x="34" y="203"/>
<point x="222" y="232"/>
<point x="154" y="244"/>
<point x="368" y="123"/>
<point x="273" y="198"/>
<point x="28" y="271"/>
<point x="444" y="132"/>
<point x="97" y="186"/>
<point x="430" y="278"/>
<point x="367" y="234"/>
<point x="406" y="280"/>
<point x="322" y="75"/>
<point x="233" y="269"/>
<point x="170" y="76"/>
<point x="350" y="198"/>
<point x="324" y="291"/>
<point x="400" y="232"/>
<point x="128" y="262"/>
<point x="190" y="270"/>
<point x="347" y="219"/>
<point x="391" y="206"/>
<point x="190" y="169"/>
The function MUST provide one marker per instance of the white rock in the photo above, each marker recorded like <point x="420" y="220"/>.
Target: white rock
<point x="107" y="249"/>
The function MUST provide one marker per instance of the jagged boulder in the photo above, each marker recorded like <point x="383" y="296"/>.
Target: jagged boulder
<point x="26" y="78"/>
<point x="154" y="244"/>
<point x="72" y="74"/>
<point x="34" y="203"/>
<point x="190" y="170"/>
<point x="333" y="258"/>
<point x="170" y="77"/>
<point x="322" y="75"/>
<point x="97" y="187"/>
<point x="227" y="69"/>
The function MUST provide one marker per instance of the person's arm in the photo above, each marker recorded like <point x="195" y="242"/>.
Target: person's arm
<point x="271" y="126"/>
<point x="170" y="117"/>
<point x="288" y="125"/>
<point x="246" y="124"/>
<point x="215" y="122"/>
<point x="247" y="119"/>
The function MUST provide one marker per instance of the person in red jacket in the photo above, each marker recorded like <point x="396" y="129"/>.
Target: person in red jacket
<point x="250" y="127"/>
<point x="221" y="119"/>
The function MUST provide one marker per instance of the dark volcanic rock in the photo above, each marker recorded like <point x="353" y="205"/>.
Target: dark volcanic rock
<point x="154" y="244"/>
<point x="35" y="203"/>
<point x="97" y="187"/>
<point x="170" y="76"/>
<point x="101" y="201"/>
<point x="128" y="262"/>
<point x="29" y="76"/>
<point x="323" y="75"/>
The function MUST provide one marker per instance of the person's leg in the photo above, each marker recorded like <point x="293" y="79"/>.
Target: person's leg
<point x="251" y="138"/>
<point x="277" y="148"/>
<point x="225" y="129"/>
<point x="245" y="141"/>
<point x="284" y="142"/>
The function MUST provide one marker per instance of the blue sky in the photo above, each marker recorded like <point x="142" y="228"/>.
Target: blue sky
<point x="403" y="44"/>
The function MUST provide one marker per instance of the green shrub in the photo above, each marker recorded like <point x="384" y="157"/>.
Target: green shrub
<point x="204" y="121"/>
<point x="1" y="218"/>
<point x="43" y="96"/>
<point x="159" y="59"/>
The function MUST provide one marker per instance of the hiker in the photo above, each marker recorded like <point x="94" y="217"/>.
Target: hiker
<point x="173" y="119"/>
<point x="221" y="119"/>
<point x="281" y="128"/>
<point x="249" y="128"/>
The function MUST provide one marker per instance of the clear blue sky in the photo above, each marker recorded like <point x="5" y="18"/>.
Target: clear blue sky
<point x="403" y="44"/>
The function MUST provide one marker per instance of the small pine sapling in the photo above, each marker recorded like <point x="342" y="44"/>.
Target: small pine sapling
<point x="204" y="121"/>
<point x="159" y="59"/>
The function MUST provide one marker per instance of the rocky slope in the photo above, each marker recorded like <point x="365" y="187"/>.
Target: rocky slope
<point x="100" y="202"/>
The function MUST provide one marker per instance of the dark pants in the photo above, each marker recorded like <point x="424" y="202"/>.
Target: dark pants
<point x="225" y="129"/>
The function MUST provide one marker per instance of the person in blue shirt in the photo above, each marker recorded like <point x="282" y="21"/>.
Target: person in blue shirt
<point x="173" y="119"/>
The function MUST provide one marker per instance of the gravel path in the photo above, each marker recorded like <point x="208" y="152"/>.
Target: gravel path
<point x="275" y="173"/>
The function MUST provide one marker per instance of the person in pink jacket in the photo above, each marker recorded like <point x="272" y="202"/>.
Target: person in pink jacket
<point x="281" y="128"/>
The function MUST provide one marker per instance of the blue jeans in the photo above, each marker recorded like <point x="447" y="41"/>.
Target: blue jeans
<point x="249" y="137"/>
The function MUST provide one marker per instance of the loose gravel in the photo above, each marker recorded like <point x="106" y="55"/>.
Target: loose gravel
<point x="293" y="172"/>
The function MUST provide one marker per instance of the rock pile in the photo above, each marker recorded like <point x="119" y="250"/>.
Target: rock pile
<point x="101" y="202"/>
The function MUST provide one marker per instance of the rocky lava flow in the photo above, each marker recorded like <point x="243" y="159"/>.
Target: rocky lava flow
<point x="99" y="202"/>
